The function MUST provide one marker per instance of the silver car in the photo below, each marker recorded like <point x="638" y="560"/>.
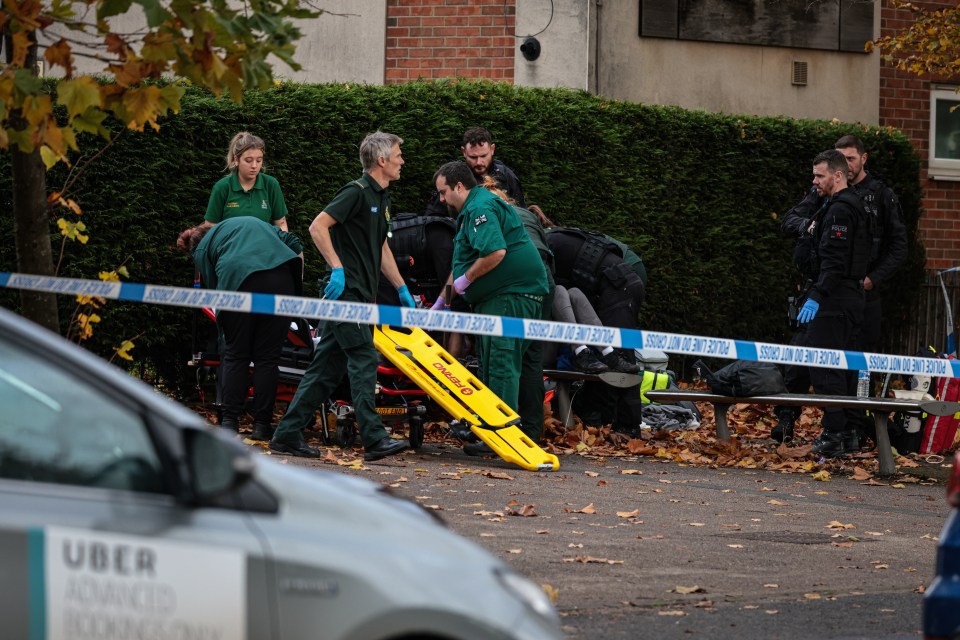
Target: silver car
<point x="122" y="515"/>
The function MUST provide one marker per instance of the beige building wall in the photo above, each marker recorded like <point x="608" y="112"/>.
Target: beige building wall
<point x="346" y="44"/>
<point x="727" y="78"/>
<point x="566" y="42"/>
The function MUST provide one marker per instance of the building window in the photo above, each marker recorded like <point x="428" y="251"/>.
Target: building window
<point x="844" y="25"/>
<point x="944" y="133"/>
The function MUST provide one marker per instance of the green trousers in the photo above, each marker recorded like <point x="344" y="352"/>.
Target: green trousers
<point x="344" y="347"/>
<point x="505" y="369"/>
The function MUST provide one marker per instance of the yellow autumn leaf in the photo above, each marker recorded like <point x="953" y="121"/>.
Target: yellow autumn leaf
<point x="124" y="350"/>
<point x="49" y="157"/>
<point x="78" y="94"/>
<point x="552" y="592"/>
<point x="36" y="109"/>
<point x="822" y="476"/>
<point x="145" y="105"/>
<point x="629" y="514"/>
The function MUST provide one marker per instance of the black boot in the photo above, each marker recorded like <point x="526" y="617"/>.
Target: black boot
<point x="262" y="431"/>
<point x="783" y="431"/>
<point x="851" y="441"/>
<point x="831" y="444"/>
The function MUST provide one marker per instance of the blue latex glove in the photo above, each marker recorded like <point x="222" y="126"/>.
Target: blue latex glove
<point x="461" y="283"/>
<point x="405" y="298"/>
<point x="334" y="288"/>
<point x="808" y="311"/>
<point x="440" y="304"/>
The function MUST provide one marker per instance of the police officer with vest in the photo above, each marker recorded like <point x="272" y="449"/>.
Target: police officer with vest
<point x="422" y="246"/>
<point x="594" y="263"/>
<point x="839" y="242"/>
<point x="888" y="251"/>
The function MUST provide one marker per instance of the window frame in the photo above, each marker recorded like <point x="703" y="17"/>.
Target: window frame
<point x="939" y="168"/>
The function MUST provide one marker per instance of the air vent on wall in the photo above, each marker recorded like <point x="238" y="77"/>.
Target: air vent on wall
<point x="799" y="73"/>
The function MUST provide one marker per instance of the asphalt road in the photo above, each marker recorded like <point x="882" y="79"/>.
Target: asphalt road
<point x="637" y="547"/>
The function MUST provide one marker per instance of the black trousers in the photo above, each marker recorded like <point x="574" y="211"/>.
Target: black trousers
<point x="256" y="338"/>
<point x="836" y="326"/>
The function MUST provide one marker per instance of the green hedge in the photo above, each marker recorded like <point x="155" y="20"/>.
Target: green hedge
<point x="697" y="195"/>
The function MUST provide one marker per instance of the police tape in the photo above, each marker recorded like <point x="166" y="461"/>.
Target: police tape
<point x="545" y="330"/>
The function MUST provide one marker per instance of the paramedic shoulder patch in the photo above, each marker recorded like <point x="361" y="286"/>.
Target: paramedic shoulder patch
<point x="839" y="231"/>
<point x="479" y="220"/>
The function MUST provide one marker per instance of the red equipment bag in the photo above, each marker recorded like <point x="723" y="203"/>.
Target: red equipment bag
<point x="939" y="431"/>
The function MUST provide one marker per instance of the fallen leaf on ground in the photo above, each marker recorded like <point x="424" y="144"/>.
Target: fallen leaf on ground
<point x="671" y="613"/>
<point x="525" y="511"/>
<point x="552" y="592"/>
<point x="684" y="590"/>
<point x="629" y="514"/>
<point x="839" y="525"/>
<point x="859" y="473"/>
<point x="589" y="509"/>
<point x="592" y="560"/>
<point x="499" y="475"/>
<point x="822" y="476"/>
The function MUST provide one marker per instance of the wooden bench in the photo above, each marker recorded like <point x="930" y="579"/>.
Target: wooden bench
<point x="879" y="407"/>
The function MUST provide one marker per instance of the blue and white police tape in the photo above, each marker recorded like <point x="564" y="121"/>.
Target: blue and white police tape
<point x="364" y="313"/>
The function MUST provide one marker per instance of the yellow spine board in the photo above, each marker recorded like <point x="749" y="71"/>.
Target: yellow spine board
<point x="461" y="394"/>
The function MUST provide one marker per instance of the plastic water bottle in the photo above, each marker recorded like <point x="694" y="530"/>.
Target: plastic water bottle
<point x="863" y="384"/>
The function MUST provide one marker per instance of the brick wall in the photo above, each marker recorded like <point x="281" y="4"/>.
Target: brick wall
<point x="450" y="38"/>
<point x="905" y="105"/>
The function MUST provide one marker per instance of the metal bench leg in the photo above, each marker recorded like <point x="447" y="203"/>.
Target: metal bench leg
<point x="563" y="403"/>
<point x="720" y="417"/>
<point x="888" y="466"/>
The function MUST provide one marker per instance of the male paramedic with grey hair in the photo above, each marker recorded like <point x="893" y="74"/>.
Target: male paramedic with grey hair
<point x="351" y="234"/>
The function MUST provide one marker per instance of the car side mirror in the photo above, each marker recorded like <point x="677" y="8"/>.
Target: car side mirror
<point x="214" y="466"/>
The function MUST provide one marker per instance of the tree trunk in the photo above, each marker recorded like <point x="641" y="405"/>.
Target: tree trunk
<point x="32" y="231"/>
<point x="31" y="226"/>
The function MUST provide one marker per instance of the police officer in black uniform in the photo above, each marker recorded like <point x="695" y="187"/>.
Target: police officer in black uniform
<point x="888" y="251"/>
<point x="593" y="263"/>
<point x="477" y="149"/>
<point x="839" y="241"/>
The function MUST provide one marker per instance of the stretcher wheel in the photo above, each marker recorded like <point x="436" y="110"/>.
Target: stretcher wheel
<point x="325" y="421"/>
<point x="346" y="434"/>
<point x="416" y="433"/>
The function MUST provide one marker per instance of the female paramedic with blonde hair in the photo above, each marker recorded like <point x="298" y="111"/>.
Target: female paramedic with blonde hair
<point x="246" y="191"/>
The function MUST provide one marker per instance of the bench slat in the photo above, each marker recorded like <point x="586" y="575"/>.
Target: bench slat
<point x="879" y="408"/>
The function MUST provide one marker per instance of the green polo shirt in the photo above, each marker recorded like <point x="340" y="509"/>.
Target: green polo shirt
<point x="487" y="224"/>
<point x="235" y="248"/>
<point x="361" y="209"/>
<point x="228" y="199"/>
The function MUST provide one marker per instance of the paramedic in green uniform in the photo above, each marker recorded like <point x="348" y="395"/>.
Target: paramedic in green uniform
<point x="246" y="191"/>
<point x="497" y="269"/>
<point x="246" y="254"/>
<point x="351" y="234"/>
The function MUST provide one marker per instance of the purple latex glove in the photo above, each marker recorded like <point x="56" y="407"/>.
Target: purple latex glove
<point x="439" y="305"/>
<point x="461" y="283"/>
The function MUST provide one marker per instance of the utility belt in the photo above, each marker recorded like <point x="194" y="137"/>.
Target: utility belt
<point x="794" y="303"/>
